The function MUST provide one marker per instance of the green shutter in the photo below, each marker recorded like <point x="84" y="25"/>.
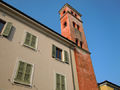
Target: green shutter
<point x="7" y="29"/>
<point x="33" y="41"/>
<point x="27" y="39"/>
<point x="58" y="82"/>
<point x="28" y="73"/>
<point x="53" y="51"/>
<point x="66" y="58"/>
<point x="62" y="82"/>
<point x="20" y="71"/>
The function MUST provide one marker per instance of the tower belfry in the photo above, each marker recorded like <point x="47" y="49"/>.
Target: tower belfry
<point x="72" y="28"/>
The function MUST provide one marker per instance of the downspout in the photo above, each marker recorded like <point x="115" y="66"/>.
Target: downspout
<point x="72" y="69"/>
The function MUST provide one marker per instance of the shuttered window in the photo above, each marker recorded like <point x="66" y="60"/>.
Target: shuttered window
<point x="57" y="53"/>
<point x="60" y="82"/>
<point x="5" y="28"/>
<point x="23" y="74"/>
<point x="30" y="40"/>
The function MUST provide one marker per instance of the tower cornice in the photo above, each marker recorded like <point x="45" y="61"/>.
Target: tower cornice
<point x="67" y="5"/>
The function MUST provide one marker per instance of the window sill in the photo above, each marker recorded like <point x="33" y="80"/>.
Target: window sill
<point x="57" y="59"/>
<point x="35" y="49"/>
<point x="22" y="83"/>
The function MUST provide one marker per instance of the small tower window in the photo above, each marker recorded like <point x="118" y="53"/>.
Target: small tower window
<point x="65" y="24"/>
<point x="71" y="12"/>
<point x="78" y="27"/>
<point x="75" y="15"/>
<point x="81" y="43"/>
<point x="73" y="24"/>
<point x="76" y="41"/>
<point x="64" y="12"/>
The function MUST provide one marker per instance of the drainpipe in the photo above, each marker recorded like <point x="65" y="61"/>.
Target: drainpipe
<point x="72" y="69"/>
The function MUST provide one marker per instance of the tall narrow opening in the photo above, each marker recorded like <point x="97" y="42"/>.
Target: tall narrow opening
<point x="81" y="43"/>
<point x="76" y="41"/>
<point x="65" y="24"/>
<point x="2" y="23"/>
<point x="74" y="24"/>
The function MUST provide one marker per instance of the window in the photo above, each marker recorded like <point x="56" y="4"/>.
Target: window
<point x="5" y="28"/>
<point x="60" y="82"/>
<point x="2" y="23"/>
<point x="64" y="12"/>
<point x="58" y="54"/>
<point x="78" y="27"/>
<point x="81" y="43"/>
<point x="75" y="15"/>
<point x="73" y="24"/>
<point x="24" y="73"/>
<point x="76" y="41"/>
<point x="65" y="24"/>
<point x="72" y="12"/>
<point x="30" y="40"/>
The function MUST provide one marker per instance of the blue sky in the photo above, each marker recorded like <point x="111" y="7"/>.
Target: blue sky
<point x="101" y="22"/>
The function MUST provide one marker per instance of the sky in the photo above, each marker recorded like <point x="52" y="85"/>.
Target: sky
<point x="101" y="22"/>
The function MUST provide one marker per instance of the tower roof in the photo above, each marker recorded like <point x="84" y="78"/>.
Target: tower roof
<point x="67" y="5"/>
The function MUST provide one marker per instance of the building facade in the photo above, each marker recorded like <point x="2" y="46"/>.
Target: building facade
<point x="34" y="57"/>
<point x="106" y="85"/>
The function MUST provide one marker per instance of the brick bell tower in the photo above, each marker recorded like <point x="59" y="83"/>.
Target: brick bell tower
<point x="71" y="28"/>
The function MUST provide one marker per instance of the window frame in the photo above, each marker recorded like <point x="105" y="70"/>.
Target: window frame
<point x="64" y="54"/>
<point x="65" y="81"/>
<point x="57" y="54"/>
<point x="16" y="70"/>
<point x="29" y="46"/>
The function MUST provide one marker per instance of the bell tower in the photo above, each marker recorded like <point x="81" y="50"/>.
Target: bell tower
<point x="71" y="28"/>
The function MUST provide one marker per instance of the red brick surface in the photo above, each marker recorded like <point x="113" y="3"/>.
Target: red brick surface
<point x="85" y="72"/>
<point x="86" y="76"/>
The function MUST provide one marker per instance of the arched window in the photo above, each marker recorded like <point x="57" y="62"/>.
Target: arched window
<point x="76" y="15"/>
<point x="72" y="12"/>
<point x="65" y="24"/>
<point x="73" y="24"/>
<point x="64" y="12"/>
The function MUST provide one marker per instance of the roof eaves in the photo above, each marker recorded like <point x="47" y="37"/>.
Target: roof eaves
<point x="42" y="25"/>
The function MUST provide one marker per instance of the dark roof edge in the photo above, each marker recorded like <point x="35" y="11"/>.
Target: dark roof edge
<point x="41" y="24"/>
<point x="109" y="83"/>
<point x="71" y="8"/>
